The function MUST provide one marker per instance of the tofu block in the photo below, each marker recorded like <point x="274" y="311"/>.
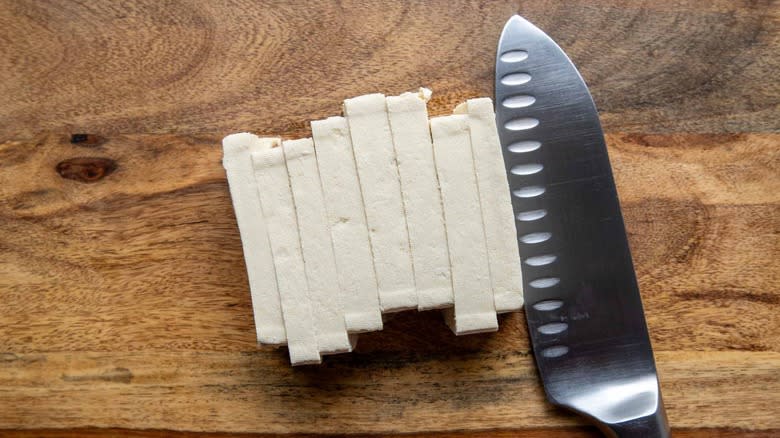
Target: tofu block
<point x="282" y="225"/>
<point x="318" y="259"/>
<point x="422" y="201"/>
<point x="474" y="310"/>
<point x="372" y="143"/>
<point x="499" y="220"/>
<point x="237" y="150"/>
<point x="347" y="221"/>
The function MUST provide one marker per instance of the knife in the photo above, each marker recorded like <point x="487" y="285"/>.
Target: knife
<point x="584" y="312"/>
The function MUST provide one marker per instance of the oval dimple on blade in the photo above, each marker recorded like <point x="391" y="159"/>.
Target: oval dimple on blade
<point x="515" y="78"/>
<point x="514" y="56"/>
<point x="518" y="101"/>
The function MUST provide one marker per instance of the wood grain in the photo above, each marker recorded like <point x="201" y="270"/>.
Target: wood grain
<point x="571" y="432"/>
<point x="98" y="266"/>
<point x="377" y="392"/>
<point x="126" y="302"/>
<point x="221" y="67"/>
<point x="124" y="307"/>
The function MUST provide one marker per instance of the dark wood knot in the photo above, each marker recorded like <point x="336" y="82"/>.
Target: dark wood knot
<point x="87" y="140"/>
<point x="86" y="169"/>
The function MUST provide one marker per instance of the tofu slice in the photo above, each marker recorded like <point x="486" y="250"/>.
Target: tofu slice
<point x="266" y="305"/>
<point x="499" y="220"/>
<point x="318" y="259"/>
<point x="279" y="215"/>
<point x="347" y="221"/>
<point x="474" y="310"/>
<point x="422" y="201"/>
<point x="372" y="142"/>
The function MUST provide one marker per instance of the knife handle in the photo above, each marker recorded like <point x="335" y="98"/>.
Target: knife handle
<point x="655" y="425"/>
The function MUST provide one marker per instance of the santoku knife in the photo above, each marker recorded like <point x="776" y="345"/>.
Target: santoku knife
<point x="583" y="307"/>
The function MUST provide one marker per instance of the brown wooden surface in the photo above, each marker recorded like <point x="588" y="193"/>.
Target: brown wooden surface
<point x="569" y="432"/>
<point x="124" y="307"/>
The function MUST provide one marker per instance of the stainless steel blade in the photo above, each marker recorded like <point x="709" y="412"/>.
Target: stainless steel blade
<point x="583" y="307"/>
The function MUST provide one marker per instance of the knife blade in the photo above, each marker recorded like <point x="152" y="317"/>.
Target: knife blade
<point x="583" y="307"/>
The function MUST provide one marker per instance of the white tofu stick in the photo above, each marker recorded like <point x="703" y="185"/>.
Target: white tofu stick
<point x="347" y="220"/>
<point x="318" y="259"/>
<point x="422" y="201"/>
<point x="237" y="148"/>
<point x="474" y="308"/>
<point x="372" y="142"/>
<point x="279" y="215"/>
<point x="499" y="220"/>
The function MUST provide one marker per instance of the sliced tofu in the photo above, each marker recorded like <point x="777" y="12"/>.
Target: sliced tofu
<point x="318" y="259"/>
<point x="347" y="220"/>
<point x="266" y="305"/>
<point x="372" y="142"/>
<point x="422" y="201"/>
<point x="474" y="309"/>
<point x="497" y="216"/>
<point x="282" y="225"/>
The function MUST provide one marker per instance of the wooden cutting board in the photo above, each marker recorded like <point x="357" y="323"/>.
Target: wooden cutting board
<point x="124" y="306"/>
